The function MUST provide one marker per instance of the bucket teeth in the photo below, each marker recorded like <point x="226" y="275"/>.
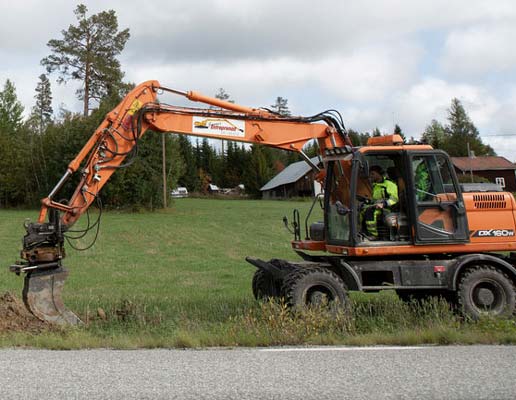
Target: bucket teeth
<point x="42" y="296"/>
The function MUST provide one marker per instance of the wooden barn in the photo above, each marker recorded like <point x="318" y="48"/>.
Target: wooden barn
<point x="296" y="180"/>
<point x="497" y="170"/>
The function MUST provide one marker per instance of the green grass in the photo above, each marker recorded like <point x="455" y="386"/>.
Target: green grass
<point x="178" y="278"/>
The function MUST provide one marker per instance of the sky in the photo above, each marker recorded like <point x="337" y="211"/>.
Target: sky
<point x="379" y="62"/>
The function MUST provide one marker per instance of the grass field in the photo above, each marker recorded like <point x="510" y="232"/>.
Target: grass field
<point x="178" y="278"/>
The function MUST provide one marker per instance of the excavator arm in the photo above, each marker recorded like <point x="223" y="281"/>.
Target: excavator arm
<point x="114" y="144"/>
<point x="117" y="137"/>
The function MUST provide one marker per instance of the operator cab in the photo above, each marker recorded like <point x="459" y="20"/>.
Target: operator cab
<point x="427" y="209"/>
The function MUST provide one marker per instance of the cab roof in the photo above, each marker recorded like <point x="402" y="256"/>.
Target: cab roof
<point x="391" y="142"/>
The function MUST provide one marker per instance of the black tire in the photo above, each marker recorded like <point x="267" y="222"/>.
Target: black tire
<point x="313" y="286"/>
<point x="485" y="290"/>
<point x="264" y="285"/>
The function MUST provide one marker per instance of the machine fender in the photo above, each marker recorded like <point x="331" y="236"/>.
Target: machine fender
<point x="340" y="267"/>
<point x="349" y="275"/>
<point x="464" y="261"/>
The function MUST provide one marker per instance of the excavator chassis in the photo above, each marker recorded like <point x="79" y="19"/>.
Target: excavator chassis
<point x="42" y="288"/>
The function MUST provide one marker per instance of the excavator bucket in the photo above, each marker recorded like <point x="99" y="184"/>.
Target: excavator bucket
<point x="42" y="296"/>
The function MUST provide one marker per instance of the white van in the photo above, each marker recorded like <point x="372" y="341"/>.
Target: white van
<point x="179" y="192"/>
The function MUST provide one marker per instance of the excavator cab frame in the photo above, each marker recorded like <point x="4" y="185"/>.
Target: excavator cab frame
<point x="439" y="217"/>
<point x="438" y="213"/>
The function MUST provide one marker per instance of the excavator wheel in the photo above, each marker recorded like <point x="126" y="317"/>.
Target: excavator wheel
<point x="42" y="296"/>
<point x="264" y="285"/>
<point x="314" y="286"/>
<point x="485" y="290"/>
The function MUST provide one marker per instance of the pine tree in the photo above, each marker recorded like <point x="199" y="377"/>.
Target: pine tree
<point x="39" y="119"/>
<point x="435" y="135"/>
<point x="207" y="156"/>
<point x="42" y="111"/>
<point x="16" y="182"/>
<point x="236" y="162"/>
<point x="190" y="177"/>
<point x="461" y="132"/>
<point x="11" y="110"/>
<point x="233" y="168"/>
<point x="311" y="149"/>
<point x="258" y="170"/>
<point x="281" y="106"/>
<point x="358" y="138"/>
<point x="223" y="95"/>
<point x="14" y="150"/>
<point x="87" y="52"/>
<point x="398" y="131"/>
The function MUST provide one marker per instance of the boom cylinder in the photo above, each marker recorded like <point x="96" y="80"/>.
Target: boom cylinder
<point x="60" y="183"/>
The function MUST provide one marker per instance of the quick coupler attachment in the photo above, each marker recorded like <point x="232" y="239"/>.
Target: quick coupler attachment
<point x="24" y="266"/>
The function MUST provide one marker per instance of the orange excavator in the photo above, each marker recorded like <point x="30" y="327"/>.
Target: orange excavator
<point x="439" y="238"/>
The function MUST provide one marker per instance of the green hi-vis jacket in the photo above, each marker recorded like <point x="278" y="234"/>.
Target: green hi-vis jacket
<point x="387" y="191"/>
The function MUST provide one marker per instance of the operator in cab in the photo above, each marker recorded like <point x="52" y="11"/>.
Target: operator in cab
<point x="384" y="197"/>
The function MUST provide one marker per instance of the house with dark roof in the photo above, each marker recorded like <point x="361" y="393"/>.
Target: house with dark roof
<point x="296" y="180"/>
<point x="498" y="170"/>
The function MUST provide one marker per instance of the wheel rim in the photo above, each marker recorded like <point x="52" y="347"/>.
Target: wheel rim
<point x="318" y="295"/>
<point x="488" y="296"/>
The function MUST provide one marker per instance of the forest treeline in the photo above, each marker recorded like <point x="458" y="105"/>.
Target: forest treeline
<point x="36" y="145"/>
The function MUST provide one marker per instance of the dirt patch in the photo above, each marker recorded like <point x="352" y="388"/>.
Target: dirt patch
<point x="14" y="317"/>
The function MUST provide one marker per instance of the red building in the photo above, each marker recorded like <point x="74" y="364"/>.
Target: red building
<point x="495" y="169"/>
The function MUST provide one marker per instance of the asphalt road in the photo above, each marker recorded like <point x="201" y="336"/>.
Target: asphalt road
<point x="472" y="372"/>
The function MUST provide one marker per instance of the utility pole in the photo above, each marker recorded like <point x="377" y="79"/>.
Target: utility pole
<point x="164" y="170"/>
<point x="470" y="167"/>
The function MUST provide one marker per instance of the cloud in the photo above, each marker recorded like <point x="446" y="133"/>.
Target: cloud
<point x="368" y="75"/>
<point x="431" y="98"/>
<point x="28" y="25"/>
<point x="504" y="123"/>
<point x="218" y="30"/>
<point x="378" y="62"/>
<point x="480" y="50"/>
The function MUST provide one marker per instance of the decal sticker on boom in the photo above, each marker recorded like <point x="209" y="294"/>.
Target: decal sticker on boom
<point x="128" y="119"/>
<point x="219" y="126"/>
<point x="135" y="106"/>
<point x="494" y="233"/>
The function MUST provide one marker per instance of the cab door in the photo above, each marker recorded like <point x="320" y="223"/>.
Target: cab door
<point x="439" y="211"/>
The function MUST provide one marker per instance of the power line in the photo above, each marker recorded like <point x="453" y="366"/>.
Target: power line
<point x="499" y="134"/>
